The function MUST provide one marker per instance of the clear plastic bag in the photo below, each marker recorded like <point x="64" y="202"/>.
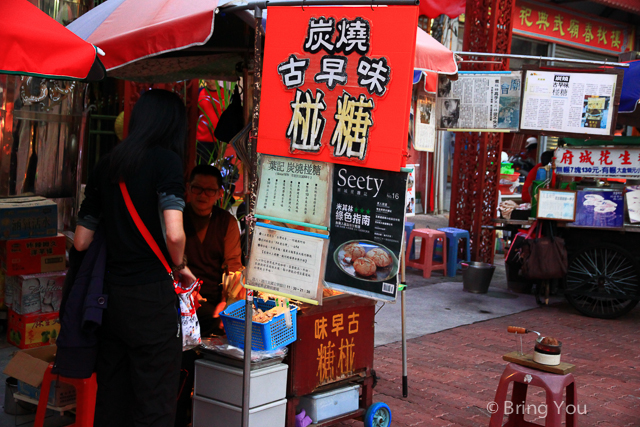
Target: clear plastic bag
<point x="222" y="347"/>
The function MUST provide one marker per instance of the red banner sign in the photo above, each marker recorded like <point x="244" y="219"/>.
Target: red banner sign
<point x="335" y="342"/>
<point x="567" y="27"/>
<point x="337" y="84"/>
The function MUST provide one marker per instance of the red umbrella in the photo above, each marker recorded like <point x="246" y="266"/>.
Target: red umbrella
<point x="35" y="44"/>
<point x="431" y="55"/>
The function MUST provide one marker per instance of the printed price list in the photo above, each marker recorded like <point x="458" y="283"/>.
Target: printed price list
<point x="293" y="189"/>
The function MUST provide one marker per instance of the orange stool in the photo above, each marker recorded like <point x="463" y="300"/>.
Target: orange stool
<point x="86" y="389"/>
<point x="425" y="260"/>
<point x="554" y="386"/>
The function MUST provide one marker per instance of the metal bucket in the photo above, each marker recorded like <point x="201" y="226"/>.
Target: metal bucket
<point x="13" y="406"/>
<point x="476" y="276"/>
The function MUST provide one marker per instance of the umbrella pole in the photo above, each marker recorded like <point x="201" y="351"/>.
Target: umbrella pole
<point x="405" y="383"/>
<point x="250" y="201"/>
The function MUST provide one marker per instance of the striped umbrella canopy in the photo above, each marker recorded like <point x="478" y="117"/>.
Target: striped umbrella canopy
<point x="158" y="40"/>
<point x="136" y="35"/>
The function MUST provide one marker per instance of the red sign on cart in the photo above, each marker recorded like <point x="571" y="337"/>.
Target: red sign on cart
<point x="572" y="28"/>
<point x="337" y="84"/>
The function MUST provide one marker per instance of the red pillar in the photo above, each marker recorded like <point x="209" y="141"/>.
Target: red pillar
<point x="476" y="169"/>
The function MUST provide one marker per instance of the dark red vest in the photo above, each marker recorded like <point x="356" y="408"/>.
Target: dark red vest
<point x="207" y="258"/>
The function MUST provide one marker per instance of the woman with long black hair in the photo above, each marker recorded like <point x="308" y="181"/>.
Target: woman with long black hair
<point x="140" y="347"/>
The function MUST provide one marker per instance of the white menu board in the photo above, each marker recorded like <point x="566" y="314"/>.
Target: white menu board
<point x="581" y="103"/>
<point x="287" y="262"/>
<point x="559" y="205"/>
<point x="293" y="189"/>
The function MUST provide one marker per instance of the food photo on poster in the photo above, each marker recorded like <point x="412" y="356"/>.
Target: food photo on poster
<point x="367" y="227"/>
<point x="595" y="111"/>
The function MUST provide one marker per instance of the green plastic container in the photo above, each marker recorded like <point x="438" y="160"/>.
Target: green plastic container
<point x="534" y="196"/>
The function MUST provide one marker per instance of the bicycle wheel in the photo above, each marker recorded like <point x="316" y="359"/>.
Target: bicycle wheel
<point x="602" y="281"/>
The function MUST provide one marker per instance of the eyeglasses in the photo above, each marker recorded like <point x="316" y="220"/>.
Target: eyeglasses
<point x="197" y="190"/>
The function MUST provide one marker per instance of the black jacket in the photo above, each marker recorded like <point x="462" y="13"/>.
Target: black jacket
<point x="83" y="303"/>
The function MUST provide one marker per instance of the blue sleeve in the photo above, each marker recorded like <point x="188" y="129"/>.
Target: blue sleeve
<point x="170" y="202"/>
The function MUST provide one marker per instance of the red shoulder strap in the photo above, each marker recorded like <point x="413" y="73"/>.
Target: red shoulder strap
<point x="143" y="229"/>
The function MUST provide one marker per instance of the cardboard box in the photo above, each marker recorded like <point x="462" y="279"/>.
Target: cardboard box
<point x="24" y="217"/>
<point x="32" y="330"/>
<point x="33" y="256"/>
<point x="36" y="293"/>
<point x="28" y="367"/>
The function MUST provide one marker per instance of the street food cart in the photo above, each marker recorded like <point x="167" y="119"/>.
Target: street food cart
<point x="344" y="324"/>
<point x="347" y="112"/>
<point x="594" y="185"/>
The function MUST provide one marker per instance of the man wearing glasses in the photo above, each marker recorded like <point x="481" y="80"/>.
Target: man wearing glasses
<point x="213" y="247"/>
<point x="213" y="242"/>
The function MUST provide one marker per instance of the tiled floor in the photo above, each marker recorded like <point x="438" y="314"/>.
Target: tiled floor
<point x="453" y="374"/>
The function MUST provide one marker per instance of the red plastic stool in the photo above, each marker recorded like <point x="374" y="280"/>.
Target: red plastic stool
<point x="86" y="389"/>
<point x="425" y="260"/>
<point x="553" y="385"/>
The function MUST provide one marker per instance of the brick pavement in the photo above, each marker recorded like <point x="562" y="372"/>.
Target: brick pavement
<point x="454" y="374"/>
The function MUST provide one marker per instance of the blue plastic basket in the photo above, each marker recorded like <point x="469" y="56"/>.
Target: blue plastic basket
<point x="264" y="336"/>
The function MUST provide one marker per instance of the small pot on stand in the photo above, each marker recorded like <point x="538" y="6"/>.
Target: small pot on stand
<point x="547" y="351"/>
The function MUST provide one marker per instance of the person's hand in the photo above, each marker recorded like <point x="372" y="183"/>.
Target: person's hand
<point x="219" y="309"/>
<point x="216" y="314"/>
<point x="199" y="297"/>
<point x="186" y="277"/>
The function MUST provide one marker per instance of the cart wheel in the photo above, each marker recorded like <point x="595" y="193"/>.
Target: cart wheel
<point x="378" y="415"/>
<point x="602" y="281"/>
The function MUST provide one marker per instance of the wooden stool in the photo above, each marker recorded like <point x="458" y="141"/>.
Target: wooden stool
<point x="553" y="385"/>
<point x="86" y="389"/>
<point x="425" y="261"/>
